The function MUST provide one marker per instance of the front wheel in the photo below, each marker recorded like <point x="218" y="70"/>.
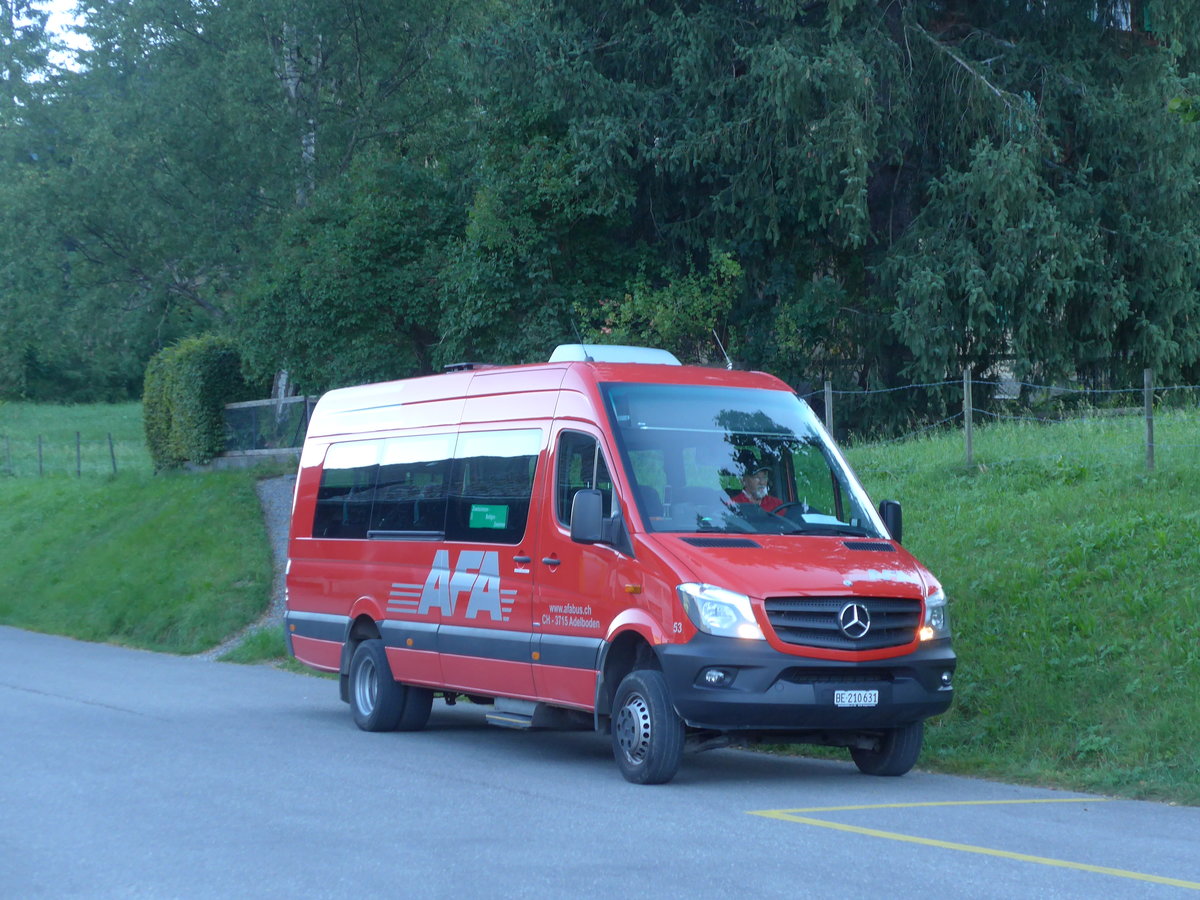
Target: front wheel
<point x="647" y="735"/>
<point x="897" y="751"/>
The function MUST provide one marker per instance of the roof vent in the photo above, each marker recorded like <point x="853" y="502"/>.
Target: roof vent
<point x="613" y="353"/>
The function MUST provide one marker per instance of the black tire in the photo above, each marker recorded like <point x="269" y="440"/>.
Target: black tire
<point x="376" y="699"/>
<point x="647" y="735"/>
<point x="417" y="707"/>
<point x="897" y="753"/>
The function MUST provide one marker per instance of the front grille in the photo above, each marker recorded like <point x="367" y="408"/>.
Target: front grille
<point x="813" y="621"/>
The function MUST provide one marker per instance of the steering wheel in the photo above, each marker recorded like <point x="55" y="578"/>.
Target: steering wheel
<point x="804" y="507"/>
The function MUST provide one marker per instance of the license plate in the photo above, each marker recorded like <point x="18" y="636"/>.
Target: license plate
<point x="856" y="698"/>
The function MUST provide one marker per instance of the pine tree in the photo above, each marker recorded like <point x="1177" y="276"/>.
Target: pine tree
<point x="910" y="189"/>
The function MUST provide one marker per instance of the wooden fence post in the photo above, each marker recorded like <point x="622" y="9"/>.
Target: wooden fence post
<point x="1148" y="401"/>
<point x="829" y="407"/>
<point x="112" y="452"/>
<point x="968" y="422"/>
<point x="41" y="472"/>
<point x="78" y="456"/>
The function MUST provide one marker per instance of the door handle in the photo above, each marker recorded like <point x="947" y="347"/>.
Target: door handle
<point x="522" y="559"/>
<point x="551" y="560"/>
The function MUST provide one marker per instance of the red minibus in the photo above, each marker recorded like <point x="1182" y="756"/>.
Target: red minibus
<point x="675" y="555"/>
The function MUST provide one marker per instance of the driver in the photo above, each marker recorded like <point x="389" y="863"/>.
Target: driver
<point x="756" y="485"/>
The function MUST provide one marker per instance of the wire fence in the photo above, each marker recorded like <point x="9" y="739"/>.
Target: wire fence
<point x="253" y="429"/>
<point x="42" y="456"/>
<point x="1128" y="425"/>
<point x="1143" y="426"/>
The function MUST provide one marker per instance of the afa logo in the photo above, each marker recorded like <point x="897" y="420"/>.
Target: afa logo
<point x="476" y="574"/>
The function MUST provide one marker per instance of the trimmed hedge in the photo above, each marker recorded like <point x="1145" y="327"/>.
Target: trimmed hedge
<point x="186" y="388"/>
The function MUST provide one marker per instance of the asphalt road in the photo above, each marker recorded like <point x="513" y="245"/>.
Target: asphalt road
<point x="133" y="774"/>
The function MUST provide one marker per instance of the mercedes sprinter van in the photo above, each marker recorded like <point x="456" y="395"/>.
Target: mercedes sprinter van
<point x="678" y="556"/>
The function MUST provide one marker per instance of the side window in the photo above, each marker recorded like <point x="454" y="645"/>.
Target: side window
<point x="492" y="485"/>
<point x="412" y="488"/>
<point x="346" y="490"/>
<point x="580" y="465"/>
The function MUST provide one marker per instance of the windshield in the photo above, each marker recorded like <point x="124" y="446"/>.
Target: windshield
<point x="734" y="460"/>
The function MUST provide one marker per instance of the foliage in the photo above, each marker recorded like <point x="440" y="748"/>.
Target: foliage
<point x="908" y="190"/>
<point x="1187" y="108"/>
<point x="156" y="407"/>
<point x="187" y="387"/>
<point x="353" y="293"/>
<point x="682" y="315"/>
<point x="353" y="192"/>
<point x="24" y="51"/>
<point x="151" y="183"/>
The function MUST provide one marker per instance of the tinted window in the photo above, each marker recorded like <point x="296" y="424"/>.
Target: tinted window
<point x="492" y="486"/>
<point x="476" y="487"/>
<point x="347" y="487"/>
<point x="413" y="484"/>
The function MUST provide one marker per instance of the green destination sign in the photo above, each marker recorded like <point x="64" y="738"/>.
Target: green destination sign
<point x="489" y="516"/>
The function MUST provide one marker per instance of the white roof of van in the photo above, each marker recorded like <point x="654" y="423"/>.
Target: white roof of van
<point x="614" y="353"/>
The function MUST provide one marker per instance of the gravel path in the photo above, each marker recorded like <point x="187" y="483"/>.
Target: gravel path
<point x="275" y="498"/>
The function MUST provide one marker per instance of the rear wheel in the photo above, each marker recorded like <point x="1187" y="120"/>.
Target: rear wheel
<point x="647" y="735"/>
<point x="417" y="706"/>
<point x="897" y="751"/>
<point x="376" y="699"/>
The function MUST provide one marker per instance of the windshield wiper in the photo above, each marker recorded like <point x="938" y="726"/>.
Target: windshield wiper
<point x="836" y="530"/>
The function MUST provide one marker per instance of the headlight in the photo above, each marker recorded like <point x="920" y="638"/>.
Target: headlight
<point x="937" y="617"/>
<point x="715" y="610"/>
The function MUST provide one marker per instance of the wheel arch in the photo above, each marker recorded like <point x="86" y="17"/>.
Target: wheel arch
<point x="624" y="652"/>
<point x="363" y="627"/>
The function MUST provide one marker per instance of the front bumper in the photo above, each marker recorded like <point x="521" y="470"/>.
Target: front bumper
<point x="775" y="692"/>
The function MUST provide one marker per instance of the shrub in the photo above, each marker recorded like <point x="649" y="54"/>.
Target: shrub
<point x="186" y="388"/>
<point x="156" y="412"/>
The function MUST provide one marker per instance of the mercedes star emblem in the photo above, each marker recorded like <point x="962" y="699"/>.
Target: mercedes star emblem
<point x="854" y="620"/>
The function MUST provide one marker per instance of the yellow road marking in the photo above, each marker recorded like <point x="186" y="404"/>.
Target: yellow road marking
<point x="793" y="815"/>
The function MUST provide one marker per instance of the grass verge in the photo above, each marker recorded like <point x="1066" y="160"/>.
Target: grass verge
<point x="261" y="645"/>
<point x="1071" y="575"/>
<point x="168" y="562"/>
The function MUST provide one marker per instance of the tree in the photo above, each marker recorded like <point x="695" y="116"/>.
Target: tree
<point x="24" y="50"/>
<point x="352" y="293"/>
<point x="908" y="188"/>
<point x="188" y="133"/>
<point x="352" y="290"/>
<point x="873" y="192"/>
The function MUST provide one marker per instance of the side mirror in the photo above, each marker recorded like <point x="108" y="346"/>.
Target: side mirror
<point x="587" y="517"/>
<point x="893" y="518"/>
